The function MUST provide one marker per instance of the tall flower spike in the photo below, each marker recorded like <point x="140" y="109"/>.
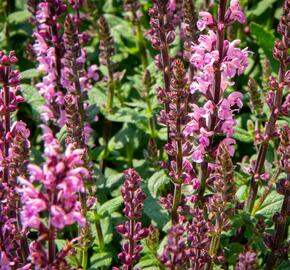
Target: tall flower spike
<point x="189" y="28"/>
<point x="217" y="62"/>
<point x="161" y="35"/>
<point x="107" y="50"/>
<point x="219" y="203"/>
<point x="256" y="103"/>
<point x="132" y="230"/>
<point x="61" y="179"/>
<point x="71" y="76"/>
<point x="49" y="53"/>
<point x="198" y="232"/>
<point x="178" y="147"/>
<point x="14" y="148"/>
<point x="247" y="260"/>
<point x="275" y="99"/>
<point x="174" y="254"/>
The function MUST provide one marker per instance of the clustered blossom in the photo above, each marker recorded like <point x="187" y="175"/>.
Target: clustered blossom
<point x="174" y="253"/>
<point x="162" y="32"/>
<point x="188" y="242"/>
<point x="189" y="29"/>
<point x="215" y="69"/>
<point x="75" y="80"/>
<point x="51" y="54"/>
<point x="247" y="261"/>
<point x="14" y="149"/>
<point x="198" y="232"/>
<point x="179" y="146"/>
<point x="61" y="179"/>
<point x="48" y="53"/>
<point x="233" y="14"/>
<point x="132" y="230"/>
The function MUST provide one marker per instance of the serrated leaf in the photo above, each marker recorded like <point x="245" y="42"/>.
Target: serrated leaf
<point x="29" y="74"/>
<point x="33" y="98"/>
<point x="18" y="17"/>
<point x="148" y="262"/>
<point x="157" y="180"/>
<point x="101" y="259"/>
<point x="271" y="205"/>
<point x="265" y="40"/>
<point x="242" y="135"/>
<point x="97" y="97"/>
<point x="154" y="211"/>
<point x="241" y="192"/>
<point x="111" y="205"/>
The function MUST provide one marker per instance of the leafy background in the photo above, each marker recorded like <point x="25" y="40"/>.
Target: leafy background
<point x="130" y="133"/>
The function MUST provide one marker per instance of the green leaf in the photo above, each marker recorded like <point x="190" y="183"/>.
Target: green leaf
<point x="157" y="180"/>
<point x="154" y="211"/>
<point x="96" y="96"/>
<point x="111" y="205"/>
<point x="265" y="40"/>
<point x="261" y="7"/>
<point x="271" y="205"/>
<point x="29" y="74"/>
<point x="242" y="135"/>
<point x="145" y="263"/>
<point x="232" y="250"/>
<point x="61" y="135"/>
<point x="18" y="17"/>
<point x="241" y="192"/>
<point x="33" y="98"/>
<point x="101" y="259"/>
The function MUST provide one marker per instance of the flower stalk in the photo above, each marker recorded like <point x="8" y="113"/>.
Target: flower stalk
<point x="280" y="53"/>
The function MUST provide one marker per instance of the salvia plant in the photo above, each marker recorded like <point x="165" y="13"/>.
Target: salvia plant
<point x="144" y="134"/>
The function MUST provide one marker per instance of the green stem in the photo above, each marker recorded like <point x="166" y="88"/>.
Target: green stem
<point x="99" y="230"/>
<point x="141" y="46"/>
<point x="107" y="123"/>
<point x="266" y="192"/>
<point x="176" y="201"/>
<point x="259" y="166"/>
<point x="215" y="241"/>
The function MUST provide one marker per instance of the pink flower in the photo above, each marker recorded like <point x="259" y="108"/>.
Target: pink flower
<point x="236" y="12"/>
<point x="43" y="12"/>
<point x="235" y="98"/>
<point x="198" y="154"/>
<point x="229" y="143"/>
<point x="205" y="20"/>
<point x="58" y="217"/>
<point x="93" y="72"/>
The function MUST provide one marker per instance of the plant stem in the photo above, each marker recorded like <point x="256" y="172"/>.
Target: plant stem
<point x="179" y="163"/>
<point x="176" y="201"/>
<point x="141" y="46"/>
<point x="99" y="230"/>
<point x="215" y="241"/>
<point x="266" y="192"/>
<point x="279" y="235"/>
<point x="107" y="123"/>
<point x="131" y="242"/>
<point x="267" y="136"/>
<point x="216" y="88"/>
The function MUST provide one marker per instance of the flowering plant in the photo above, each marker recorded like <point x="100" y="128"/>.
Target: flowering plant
<point x="145" y="134"/>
